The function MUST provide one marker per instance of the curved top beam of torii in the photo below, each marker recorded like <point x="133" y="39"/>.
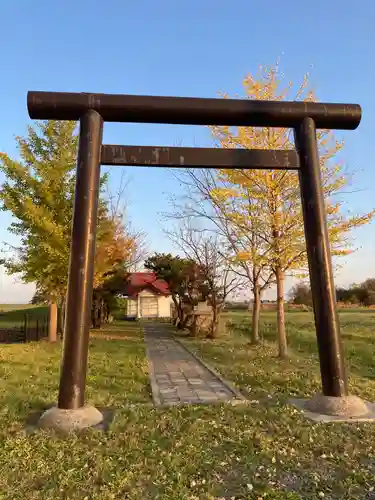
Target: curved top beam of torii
<point x="191" y="110"/>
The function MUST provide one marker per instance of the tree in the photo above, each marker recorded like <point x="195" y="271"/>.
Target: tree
<point x="39" y="192"/>
<point x="38" y="298"/>
<point x="114" y="255"/>
<point x="363" y="294"/>
<point x="184" y="281"/>
<point x="244" y="249"/>
<point x="121" y="247"/>
<point x="352" y="295"/>
<point x="300" y="294"/>
<point x="218" y="279"/>
<point x="105" y="295"/>
<point x="277" y="220"/>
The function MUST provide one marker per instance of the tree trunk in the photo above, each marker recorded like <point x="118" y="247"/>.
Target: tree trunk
<point x="187" y="320"/>
<point x="61" y="317"/>
<point x="182" y="317"/>
<point x="255" y="315"/>
<point x="281" y="333"/>
<point x="214" y="330"/>
<point x="94" y="312"/>
<point x="58" y="329"/>
<point x="52" y="322"/>
<point x="177" y="312"/>
<point x="93" y="316"/>
<point x="101" y="313"/>
<point x="107" y="312"/>
<point x="193" y="327"/>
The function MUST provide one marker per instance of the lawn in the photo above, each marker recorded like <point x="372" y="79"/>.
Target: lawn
<point x="13" y="316"/>
<point x="265" y="449"/>
<point x="16" y="307"/>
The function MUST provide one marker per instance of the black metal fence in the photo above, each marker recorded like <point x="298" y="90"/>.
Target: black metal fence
<point x="29" y="329"/>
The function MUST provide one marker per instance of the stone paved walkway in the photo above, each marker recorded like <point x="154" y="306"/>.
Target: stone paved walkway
<point x="178" y="377"/>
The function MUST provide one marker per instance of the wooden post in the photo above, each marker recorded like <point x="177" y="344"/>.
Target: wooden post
<point x="81" y="265"/>
<point x="331" y="357"/>
<point x="52" y="324"/>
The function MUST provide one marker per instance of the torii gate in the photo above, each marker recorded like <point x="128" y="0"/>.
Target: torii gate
<point x="94" y="109"/>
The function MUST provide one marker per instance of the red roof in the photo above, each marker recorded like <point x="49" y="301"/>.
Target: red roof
<point x="140" y="281"/>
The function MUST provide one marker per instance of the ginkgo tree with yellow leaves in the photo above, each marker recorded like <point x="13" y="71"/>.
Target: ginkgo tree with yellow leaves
<point x="268" y="202"/>
<point x="38" y="191"/>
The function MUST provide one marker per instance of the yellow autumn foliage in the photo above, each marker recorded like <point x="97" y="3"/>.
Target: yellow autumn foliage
<point x="267" y="202"/>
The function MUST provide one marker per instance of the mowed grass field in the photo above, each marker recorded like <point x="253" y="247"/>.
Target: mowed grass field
<point x="265" y="449"/>
<point x="16" y="307"/>
<point x="13" y="315"/>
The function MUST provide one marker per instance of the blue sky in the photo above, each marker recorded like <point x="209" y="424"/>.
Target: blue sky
<point x="187" y="49"/>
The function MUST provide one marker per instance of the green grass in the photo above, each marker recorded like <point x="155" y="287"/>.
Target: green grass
<point x="13" y="307"/>
<point x="262" y="450"/>
<point x="337" y="460"/>
<point x="14" y="315"/>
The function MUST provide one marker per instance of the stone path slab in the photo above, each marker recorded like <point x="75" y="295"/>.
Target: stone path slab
<point x="179" y="377"/>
